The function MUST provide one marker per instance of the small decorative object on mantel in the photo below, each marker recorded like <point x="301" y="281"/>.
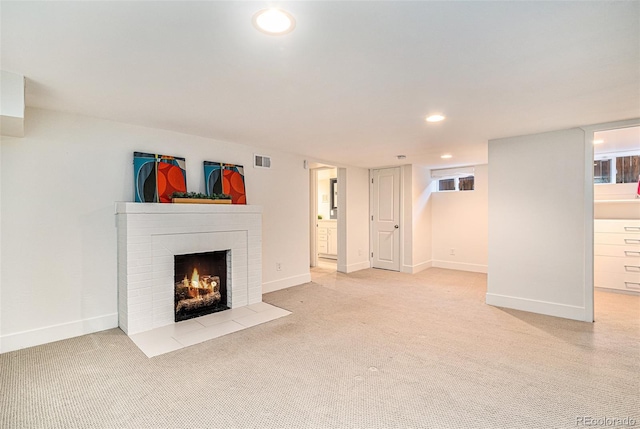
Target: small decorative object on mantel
<point x="197" y="198"/>
<point x="225" y="178"/>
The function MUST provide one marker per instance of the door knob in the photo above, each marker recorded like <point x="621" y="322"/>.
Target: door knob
<point x="396" y="227"/>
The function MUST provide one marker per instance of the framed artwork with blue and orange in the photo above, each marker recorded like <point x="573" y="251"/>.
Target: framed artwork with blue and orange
<point x="156" y="177"/>
<point x="221" y="178"/>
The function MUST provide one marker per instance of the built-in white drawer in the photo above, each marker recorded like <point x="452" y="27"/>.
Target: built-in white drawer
<point x="627" y="251"/>
<point x="617" y="226"/>
<point x="621" y="281"/>
<point x="322" y="247"/>
<point x="617" y="239"/>
<point x="614" y="264"/>
<point x="322" y="230"/>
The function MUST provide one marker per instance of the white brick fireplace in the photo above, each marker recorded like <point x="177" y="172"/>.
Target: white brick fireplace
<point x="149" y="235"/>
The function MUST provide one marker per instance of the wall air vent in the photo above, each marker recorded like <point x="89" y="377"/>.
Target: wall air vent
<point x="261" y="161"/>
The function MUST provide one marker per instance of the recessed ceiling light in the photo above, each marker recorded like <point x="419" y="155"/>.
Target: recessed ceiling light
<point x="446" y="156"/>
<point x="435" y="118"/>
<point x="274" y="21"/>
<point x="598" y="141"/>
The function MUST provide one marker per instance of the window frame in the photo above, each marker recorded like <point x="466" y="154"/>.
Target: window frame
<point x="456" y="181"/>
<point x="613" y="170"/>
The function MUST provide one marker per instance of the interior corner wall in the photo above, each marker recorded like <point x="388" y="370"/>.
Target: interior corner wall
<point x="406" y="218"/>
<point x="422" y="218"/>
<point x="539" y="221"/>
<point x="461" y="226"/>
<point x="59" y="184"/>
<point x="415" y="218"/>
<point x="283" y="192"/>
<point x="353" y="219"/>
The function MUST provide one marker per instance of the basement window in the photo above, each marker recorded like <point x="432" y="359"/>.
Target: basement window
<point x="616" y="168"/>
<point x="602" y="171"/>
<point x="627" y="169"/>
<point x="466" y="183"/>
<point x="454" y="179"/>
<point x="446" y="185"/>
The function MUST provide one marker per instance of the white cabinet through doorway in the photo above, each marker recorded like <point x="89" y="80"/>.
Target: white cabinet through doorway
<point x="327" y="238"/>
<point x="617" y="254"/>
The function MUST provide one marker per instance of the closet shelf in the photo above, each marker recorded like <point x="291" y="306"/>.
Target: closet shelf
<point x="626" y="201"/>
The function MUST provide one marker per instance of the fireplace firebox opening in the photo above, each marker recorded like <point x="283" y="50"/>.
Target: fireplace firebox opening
<point x="200" y="284"/>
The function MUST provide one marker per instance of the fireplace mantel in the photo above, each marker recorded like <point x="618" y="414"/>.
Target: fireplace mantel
<point x="157" y="208"/>
<point x="149" y="235"/>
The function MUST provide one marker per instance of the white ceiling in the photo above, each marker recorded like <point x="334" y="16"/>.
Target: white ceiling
<point x="351" y="85"/>
<point x="618" y="140"/>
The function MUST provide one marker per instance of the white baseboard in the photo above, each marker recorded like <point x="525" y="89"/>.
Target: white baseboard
<point x="460" y="266"/>
<point x="49" y="334"/>
<point x="540" y="307"/>
<point x="413" y="269"/>
<point x="353" y="267"/>
<point x="620" y="291"/>
<point x="285" y="283"/>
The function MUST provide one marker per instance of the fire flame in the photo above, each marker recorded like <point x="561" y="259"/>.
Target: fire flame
<point x="199" y="286"/>
<point x="199" y="291"/>
<point x="195" y="278"/>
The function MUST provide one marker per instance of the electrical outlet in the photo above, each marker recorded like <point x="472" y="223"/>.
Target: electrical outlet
<point x="278" y="266"/>
<point x="359" y="252"/>
<point x="452" y="252"/>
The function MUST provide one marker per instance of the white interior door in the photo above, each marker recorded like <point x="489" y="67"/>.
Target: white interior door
<point x="385" y="219"/>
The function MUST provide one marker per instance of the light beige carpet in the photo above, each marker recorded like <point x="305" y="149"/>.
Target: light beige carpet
<point x="373" y="349"/>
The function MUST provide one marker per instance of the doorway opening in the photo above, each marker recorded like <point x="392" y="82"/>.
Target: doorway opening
<point x="616" y="210"/>
<point x="324" y="217"/>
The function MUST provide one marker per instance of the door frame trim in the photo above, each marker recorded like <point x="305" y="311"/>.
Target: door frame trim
<point x="313" y="219"/>
<point x="589" y="130"/>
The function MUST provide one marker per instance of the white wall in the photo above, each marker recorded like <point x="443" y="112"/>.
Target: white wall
<point x="406" y="219"/>
<point x="460" y="222"/>
<point x="11" y="104"/>
<point x="416" y="218"/>
<point x="540" y="221"/>
<point x="616" y="207"/>
<point x="615" y="191"/>
<point x="283" y="192"/>
<point x="59" y="184"/>
<point x="353" y="219"/>
<point x="422" y="218"/>
<point x="12" y="90"/>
